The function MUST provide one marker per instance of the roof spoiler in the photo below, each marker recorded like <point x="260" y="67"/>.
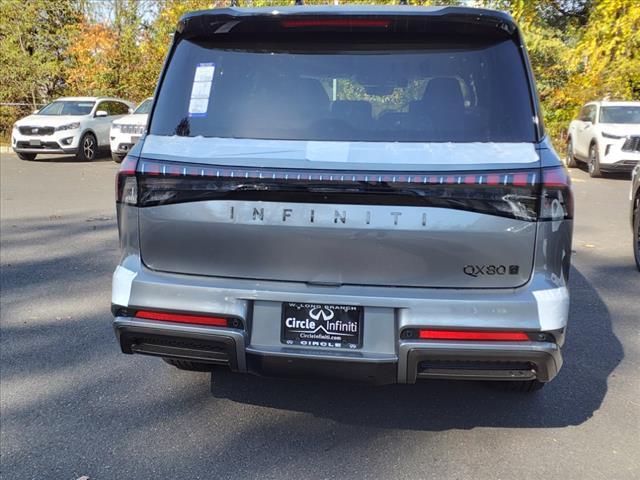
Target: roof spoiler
<point x="402" y="18"/>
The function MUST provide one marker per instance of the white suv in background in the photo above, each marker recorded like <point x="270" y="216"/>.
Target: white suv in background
<point x="126" y="131"/>
<point x="76" y="125"/>
<point x="606" y="135"/>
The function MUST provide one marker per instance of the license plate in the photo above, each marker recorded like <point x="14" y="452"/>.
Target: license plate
<point x="324" y="326"/>
<point x="134" y="140"/>
<point x="35" y="143"/>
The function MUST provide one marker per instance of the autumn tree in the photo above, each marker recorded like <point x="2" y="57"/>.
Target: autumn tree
<point x="34" y="39"/>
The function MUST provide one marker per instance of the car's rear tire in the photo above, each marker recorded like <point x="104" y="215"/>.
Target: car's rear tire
<point x="188" y="365"/>
<point x="594" y="161"/>
<point x="87" y="148"/>
<point x="520" y="386"/>
<point x="636" y="233"/>
<point x="117" y="158"/>
<point x="27" y="156"/>
<point x="571" y="160"/>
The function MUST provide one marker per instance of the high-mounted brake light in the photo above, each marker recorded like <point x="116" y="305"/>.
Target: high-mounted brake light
<point x="183" y="318"/>
<point x="425" y="334"/>
<point x="337" y="22"/>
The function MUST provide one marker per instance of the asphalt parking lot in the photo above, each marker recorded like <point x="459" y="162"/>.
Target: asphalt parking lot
<point x="73" y="405"/>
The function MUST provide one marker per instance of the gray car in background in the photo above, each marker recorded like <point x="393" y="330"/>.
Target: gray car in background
<point x="360" y="193"/>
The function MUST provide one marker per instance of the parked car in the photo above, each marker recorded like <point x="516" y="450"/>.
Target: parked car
<point x="355" y="193"/>
<point x="126" y="131"/>
<point x="74" y="125"/>
<point x="635" y="212"/>
<point x="606" y="135"/>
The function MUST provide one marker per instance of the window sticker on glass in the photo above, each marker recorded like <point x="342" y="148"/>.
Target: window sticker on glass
<point x="198" y="107"/>
<point x="201" y="89"/>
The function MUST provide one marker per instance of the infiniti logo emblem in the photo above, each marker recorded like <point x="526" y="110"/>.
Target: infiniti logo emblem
<point x="325" y="313"/>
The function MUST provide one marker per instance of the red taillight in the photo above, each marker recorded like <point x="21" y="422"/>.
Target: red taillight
<point x="470" y="335"/>
<point x="126" y="182"/>
<point x="556" y="202"/>
<point x="336" y="22"/>
<point x="128" y="165"/>
<point x="183" y="318"/>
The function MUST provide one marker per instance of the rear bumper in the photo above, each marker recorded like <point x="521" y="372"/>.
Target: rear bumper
<point x="414" y="360"/>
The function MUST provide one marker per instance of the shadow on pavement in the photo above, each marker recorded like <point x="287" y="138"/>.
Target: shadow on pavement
<point x="591" y="354"/>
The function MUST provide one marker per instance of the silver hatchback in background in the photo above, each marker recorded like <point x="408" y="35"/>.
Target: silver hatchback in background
<point x="362" y="193"/>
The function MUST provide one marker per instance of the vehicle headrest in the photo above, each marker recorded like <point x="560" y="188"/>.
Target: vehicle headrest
<point x="442" y="91"/>
<point x="352" y="110"/>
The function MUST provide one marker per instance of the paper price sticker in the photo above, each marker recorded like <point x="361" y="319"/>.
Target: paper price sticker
<point x="201" y="89"/>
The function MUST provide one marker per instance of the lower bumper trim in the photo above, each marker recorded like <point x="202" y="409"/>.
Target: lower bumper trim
<point x="45" y="150"/>
<point x="376" y="373"/>
<point x="415" y="360"/>
<point x="622" y="166"/>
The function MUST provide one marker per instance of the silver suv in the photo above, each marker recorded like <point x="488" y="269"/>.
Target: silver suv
<point x="354" y="193"/>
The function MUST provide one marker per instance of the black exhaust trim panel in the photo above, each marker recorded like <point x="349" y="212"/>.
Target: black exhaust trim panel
<point x="215" y="349"/>
<point x="481" y="365"/>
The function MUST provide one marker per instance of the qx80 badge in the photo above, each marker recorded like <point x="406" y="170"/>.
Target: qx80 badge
<point x="490" y="270"/>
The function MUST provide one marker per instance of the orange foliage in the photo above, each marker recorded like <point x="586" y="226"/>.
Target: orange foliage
<point x="90" y="50"/>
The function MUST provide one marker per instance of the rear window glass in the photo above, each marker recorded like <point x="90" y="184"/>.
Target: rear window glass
<point x="621" y="114"/>
<point x="425" y="94"/>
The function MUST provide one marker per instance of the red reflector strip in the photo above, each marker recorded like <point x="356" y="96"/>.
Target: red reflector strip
<point x="183" y="318"/>
<point x="336" y="22"/>
<point x="467" y="335"/>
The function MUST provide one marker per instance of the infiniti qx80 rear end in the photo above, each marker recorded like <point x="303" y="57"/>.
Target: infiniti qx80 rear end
<point x="364" y="194"/>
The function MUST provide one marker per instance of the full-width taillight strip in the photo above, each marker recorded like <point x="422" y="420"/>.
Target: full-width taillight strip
<point x="522" y="178"/>
<point x="426" y="334"/>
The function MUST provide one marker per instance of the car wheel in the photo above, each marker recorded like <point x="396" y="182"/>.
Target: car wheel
<point x="571" y="159"/>
<point x="521" y="386"/>
<point x="27" y="156"/>
<point x="636" y="233"/>
<point x="594" y="161"/>
<point x="87" y="148"/>
<point x="188" y="365"/>
<point x="117" y="158"/>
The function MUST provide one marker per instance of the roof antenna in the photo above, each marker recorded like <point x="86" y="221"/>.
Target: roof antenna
<point x="234" y="3"/>
<point x="403" y="2"/>
<point x="299" y="2"/>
